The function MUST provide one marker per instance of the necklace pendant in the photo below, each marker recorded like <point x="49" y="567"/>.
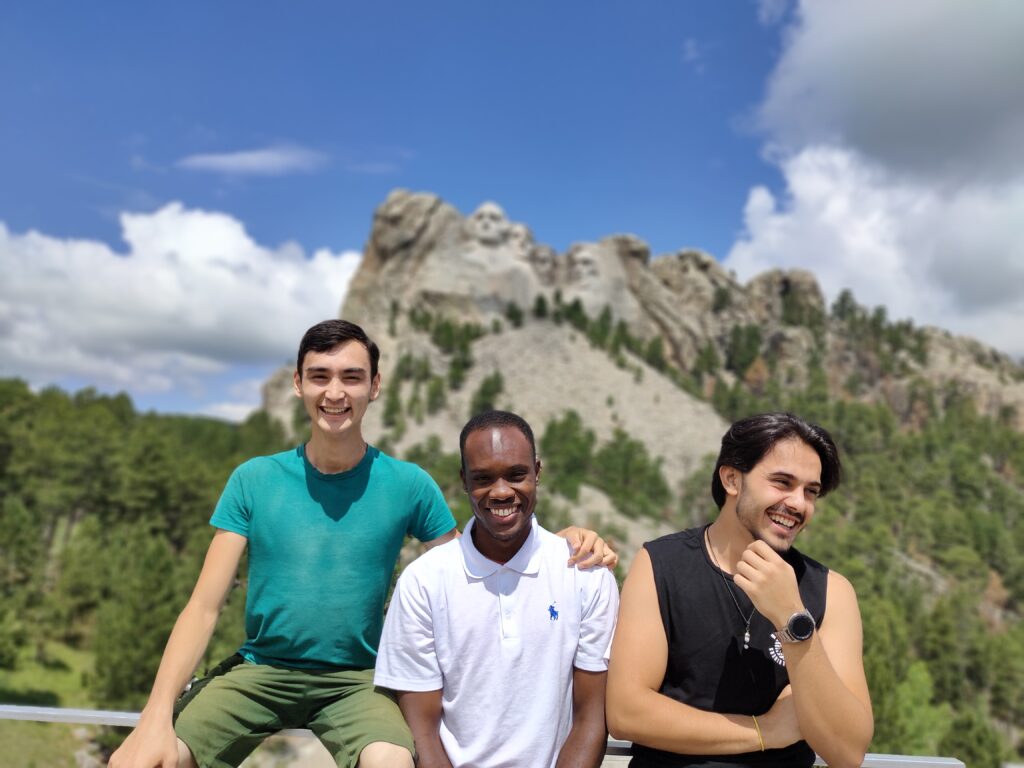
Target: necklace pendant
<point x="746" y="639"/>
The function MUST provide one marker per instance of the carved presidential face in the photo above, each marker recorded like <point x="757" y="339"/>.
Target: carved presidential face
<point x="544" y="263"/>
<point x="584" y="265"/>
<point x="520" y="238"/>
<point x="488" y="224"/>
<point x="399" y="221"/>
<point x="597" y="277"/>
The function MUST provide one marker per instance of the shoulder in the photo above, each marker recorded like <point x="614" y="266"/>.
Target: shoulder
<point x="840" y="587"/>
<point x="671" y="547"/>
<point x="431" y="564"/>
<point x="552" y="546"/>
<point x="549" y="540"/>
<point x="688" y="539"/>
<point x="261" y="466"/>
<point x="842" y="611"/>
<point x="397" y="469"/>
<point x="555" y="551"/>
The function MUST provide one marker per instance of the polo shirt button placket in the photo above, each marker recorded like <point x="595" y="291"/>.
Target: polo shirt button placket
<point x="507" y="605"/>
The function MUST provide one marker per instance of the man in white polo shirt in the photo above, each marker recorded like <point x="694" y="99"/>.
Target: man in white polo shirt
<point x="496" y="647"/>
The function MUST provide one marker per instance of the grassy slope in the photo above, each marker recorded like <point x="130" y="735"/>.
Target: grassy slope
<point x="59" y="683"/>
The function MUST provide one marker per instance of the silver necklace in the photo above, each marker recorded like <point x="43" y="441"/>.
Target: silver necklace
<point x="746" y="619"/>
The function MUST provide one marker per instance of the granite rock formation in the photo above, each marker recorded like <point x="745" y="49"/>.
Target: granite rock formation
<point x="699" y="329"/>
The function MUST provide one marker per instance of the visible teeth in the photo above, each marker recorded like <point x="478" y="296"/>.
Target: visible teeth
<point x="333" y="411"/>
<point x="785" y="522"/>
<point x="503" y="512"/>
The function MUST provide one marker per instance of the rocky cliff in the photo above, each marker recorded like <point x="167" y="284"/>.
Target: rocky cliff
<point x="637" y="346"/>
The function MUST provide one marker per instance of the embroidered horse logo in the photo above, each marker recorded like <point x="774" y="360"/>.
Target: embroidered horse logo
<point x="552" y="613"/>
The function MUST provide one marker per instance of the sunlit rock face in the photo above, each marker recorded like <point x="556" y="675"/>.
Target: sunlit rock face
<point x="596" y="275"/>
<point x="401" y="221"/>
<point x="423" y="254"/>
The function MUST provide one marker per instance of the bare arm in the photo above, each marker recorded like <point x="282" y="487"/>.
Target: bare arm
<point x="442" y="539"/>
<point x="584" y="747"/>
<point x="830" y="691"/>
<point x="826" y="672"/>
<point x="638" y="712"/>
<point x="153" y="742"/>
<point x="422" y="711"/>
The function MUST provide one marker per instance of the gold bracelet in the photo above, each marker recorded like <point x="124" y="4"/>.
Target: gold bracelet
<point x="757" y="728"/>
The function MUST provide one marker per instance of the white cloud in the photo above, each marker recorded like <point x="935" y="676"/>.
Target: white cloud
<point x="896" y="129"/>
<point x="245" y="398"/>
<point x="269" y="161"/>
<point x="193" y="296"/>
<point x="947" y="257"/>
<point x="928" y="86"/>
<point x="236" y="412"/>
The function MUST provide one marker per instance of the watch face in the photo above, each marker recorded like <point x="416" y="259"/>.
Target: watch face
<point x="801" y="626"/>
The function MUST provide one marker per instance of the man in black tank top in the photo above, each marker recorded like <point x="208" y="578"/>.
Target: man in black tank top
<point x="732" y="648"/>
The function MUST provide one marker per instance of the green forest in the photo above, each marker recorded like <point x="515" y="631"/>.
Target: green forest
<point x="105" y="517"/>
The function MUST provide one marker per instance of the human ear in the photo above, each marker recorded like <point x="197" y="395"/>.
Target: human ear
<point x="731" y="479"/>
<point x="297" y="384"/>
<point x="375" y="387"/>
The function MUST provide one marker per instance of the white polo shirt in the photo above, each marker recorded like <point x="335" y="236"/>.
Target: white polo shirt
<point x="500" y="641"/>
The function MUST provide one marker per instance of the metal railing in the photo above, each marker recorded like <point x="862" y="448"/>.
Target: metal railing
<point x="615" y="747"/>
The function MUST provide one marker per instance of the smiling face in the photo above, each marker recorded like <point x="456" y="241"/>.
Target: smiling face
<point x="500" y="475"/>
<point x="775" y="499"/>
<point x="336" y="388"/>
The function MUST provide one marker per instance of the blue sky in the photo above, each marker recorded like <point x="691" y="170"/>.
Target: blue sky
<point x="145" y="147"/>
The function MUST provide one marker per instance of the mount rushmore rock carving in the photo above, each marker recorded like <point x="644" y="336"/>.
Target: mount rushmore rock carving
<point x="423" y="254"/>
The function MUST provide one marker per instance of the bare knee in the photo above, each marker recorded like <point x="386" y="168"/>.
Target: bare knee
<point x="185" y="759"/>
<point x="381" y="754"/>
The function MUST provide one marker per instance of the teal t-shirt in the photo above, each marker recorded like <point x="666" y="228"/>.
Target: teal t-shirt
<point x="321" y="552"/>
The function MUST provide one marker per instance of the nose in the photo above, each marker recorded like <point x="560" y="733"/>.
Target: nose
<point x="334" y="389"/>
<point x="796" y="501"/>
<point x="501" y="491"/>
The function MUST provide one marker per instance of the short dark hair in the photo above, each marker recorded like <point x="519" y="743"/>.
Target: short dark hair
<point x="749" y="439"/>
<point x="490" y="419"/>
<point x="325" y="336"/>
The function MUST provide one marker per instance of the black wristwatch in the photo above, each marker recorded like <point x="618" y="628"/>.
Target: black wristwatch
<point x="799" y="628"/>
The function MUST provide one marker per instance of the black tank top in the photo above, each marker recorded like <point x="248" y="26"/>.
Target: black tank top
<point x="708" y="667"/>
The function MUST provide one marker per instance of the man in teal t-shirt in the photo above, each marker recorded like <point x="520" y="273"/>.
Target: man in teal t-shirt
<point x="324" y="524"/>
<point x="297" y="520"/>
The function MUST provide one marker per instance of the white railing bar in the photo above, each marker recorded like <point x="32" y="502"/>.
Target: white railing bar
<point x="65" y="715"/>
<point x="615" y="746"/>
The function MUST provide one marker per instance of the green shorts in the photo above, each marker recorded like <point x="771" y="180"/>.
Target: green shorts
<point x="224" y="717"/>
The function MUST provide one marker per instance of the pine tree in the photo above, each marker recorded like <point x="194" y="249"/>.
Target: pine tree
<point x="135" y="620"/>
<point x="486" y="396"/>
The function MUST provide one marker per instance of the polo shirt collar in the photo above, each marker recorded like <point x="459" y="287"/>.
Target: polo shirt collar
<point x="526" y="561"/>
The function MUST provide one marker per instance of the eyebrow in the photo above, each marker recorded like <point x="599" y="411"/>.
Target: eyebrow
<point x="324" y="369"/>
<point x="508" y="470"/>
<point x="790" y="476"/>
